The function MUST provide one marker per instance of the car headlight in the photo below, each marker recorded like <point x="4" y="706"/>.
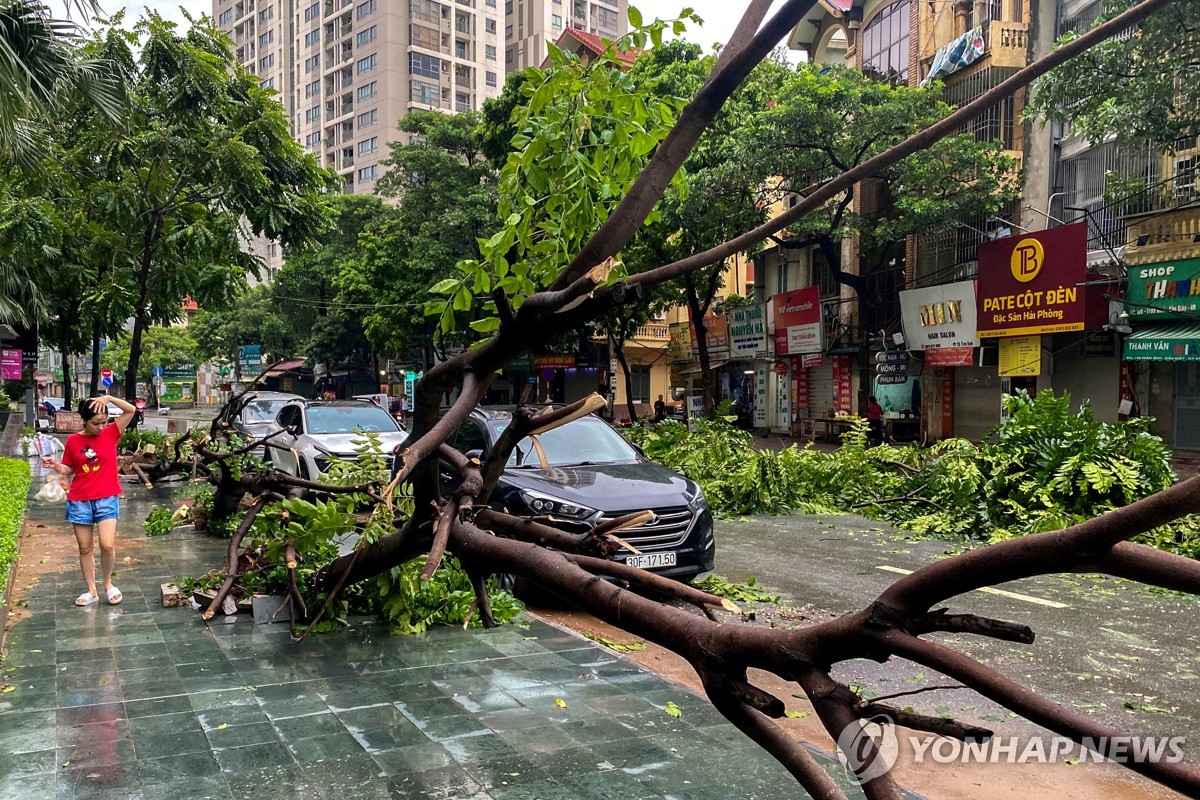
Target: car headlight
<point x="698" y="502"/>
<point x="556" y="508"/>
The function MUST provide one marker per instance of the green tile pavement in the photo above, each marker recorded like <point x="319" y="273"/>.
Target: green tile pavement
<point x="137" y="701"/>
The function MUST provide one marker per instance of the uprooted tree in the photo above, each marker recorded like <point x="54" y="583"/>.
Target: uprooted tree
<point x="591" y="161"/>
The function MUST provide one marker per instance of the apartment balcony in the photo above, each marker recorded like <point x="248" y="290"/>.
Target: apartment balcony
<point x="652" y="334"/>
<point x="1170" y="236"/>
<point x="992" y="43"/>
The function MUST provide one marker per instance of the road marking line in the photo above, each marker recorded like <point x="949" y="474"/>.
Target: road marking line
<point x="1014" y="595"/>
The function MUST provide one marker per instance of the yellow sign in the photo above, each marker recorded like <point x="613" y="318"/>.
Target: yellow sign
<point x="1027" y="259"/>
<point x="1020" y="356"/>
<point x="286" y="384"/>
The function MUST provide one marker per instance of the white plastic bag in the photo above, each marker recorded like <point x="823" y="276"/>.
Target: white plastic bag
<point x="52" y="491"/>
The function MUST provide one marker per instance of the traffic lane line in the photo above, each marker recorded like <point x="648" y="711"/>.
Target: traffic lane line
<point x="1014" y="595"/>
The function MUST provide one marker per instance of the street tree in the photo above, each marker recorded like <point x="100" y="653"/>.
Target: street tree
<point x="1138" y="88"/>
<point x="167" y="346"/>
<point x="203" y="159"/>
<point x="444" y="195"/>
<point x="327" y="326"/>
<point x="256" y="317"/>
<point x="546" y="291"/>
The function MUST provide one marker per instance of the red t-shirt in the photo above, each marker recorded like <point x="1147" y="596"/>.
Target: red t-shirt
<point x="94" y="461"/>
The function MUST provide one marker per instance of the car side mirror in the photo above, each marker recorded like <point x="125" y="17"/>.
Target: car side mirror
<point x="639" y="450"/>
<point x="476" y="453"/>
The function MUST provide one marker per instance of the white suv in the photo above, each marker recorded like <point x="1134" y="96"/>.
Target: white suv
<point x="314" y="430"/>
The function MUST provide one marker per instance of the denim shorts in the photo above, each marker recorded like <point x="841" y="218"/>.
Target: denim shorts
<point x="89" y="512"/>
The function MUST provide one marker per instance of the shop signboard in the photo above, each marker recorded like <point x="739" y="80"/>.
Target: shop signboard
<point x="10" y="365"/>
<point x="250" y="360"/>
<point x="716" y="335"/>
<point x="949" y="356"/>
<point x="1031" y="284"/>
<point x="1020" y="356"/>
<point x="680" y="347"/>
<point x="797" y="318"/>
<point x="939" y="316"/>
<point x="747" y="332"/>
<point x="1168" y="290"/>
<point x="553" y="361"/>
<point x="843" y="379"/>
<point x="760" y="395"/>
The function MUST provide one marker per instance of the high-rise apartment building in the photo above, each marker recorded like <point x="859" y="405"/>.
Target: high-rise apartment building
<point x="347" y="70"/>
<point x="530" y="24"/>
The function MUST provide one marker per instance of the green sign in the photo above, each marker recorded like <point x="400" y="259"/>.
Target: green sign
<point x="178" y="392"/>
<point x="1179" y="342"/>
<point x="1167" y="290"/>
<point x="187" y="373"/>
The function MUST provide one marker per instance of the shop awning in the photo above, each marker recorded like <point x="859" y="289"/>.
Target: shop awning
<point x="295" y="365"/>
<point x="694" y="369"/>
<point x="1178" y="342"/>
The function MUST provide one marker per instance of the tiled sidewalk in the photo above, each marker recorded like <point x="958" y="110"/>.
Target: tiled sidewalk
<point x="138" y="701"/>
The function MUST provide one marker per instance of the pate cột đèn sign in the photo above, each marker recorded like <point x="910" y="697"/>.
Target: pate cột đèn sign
<point x="1031" y="284"/>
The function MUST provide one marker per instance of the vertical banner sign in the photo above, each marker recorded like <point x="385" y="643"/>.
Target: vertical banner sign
<point x="747" y="332"/>
<point x="947" y="403"/>
<point x="760" y="395"/>
<point x="843" y="381"/>
<point x="10" y="365"/>
<point x="797" y="317"/>
<point x="783" y="401"/>
<point x="1020" y="356"/>
<point x="800" y="389"/>
<point x="1030" y="284"/>
<point x="716" y="337"/>
<point x="680" y="349"/>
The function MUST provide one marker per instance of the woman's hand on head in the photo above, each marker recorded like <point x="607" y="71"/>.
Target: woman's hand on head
<point x="99" y="405"/>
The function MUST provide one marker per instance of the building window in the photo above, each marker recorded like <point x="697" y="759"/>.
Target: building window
<point x="312" y="12"/>
<point x="639" y="379"/>
<point x="365" y="9"/>
<point x="489" y="51"/>
<point x="462" y="102"/>
<point x="508" y="31"/>
<point x="489" y="78"/>
<point x="555" y="21"/>
<point x="367" y="174"/>
<point x="265" y="14"/>
<point x="313" y="114"/>
<point x="606" y="18"/>
<point x="425" y="66"/>
<point x="311" y="63"/>
<point x="491" y="3"/>
<point x="460" y="49"/>
<point x="368" y="91"/>
<point x="266" y="38"/>
<point x="885" y="44"/>
<point x="312" y="89"/>
<point x="266" y="62"/>
<point x="225" y="17"/>
<point x="489" y="26"/>
<point x="368" y="146"/>
<point x="508" y="7"/>
<point x="427" y="93"/>
<point x="312" y="38"/>
<point x="366" y="119"/>
<point x="365" y="37"/>
<point x="312" y="139"/>
<point x="269" y="83"/>
<point x="366" y="64"/>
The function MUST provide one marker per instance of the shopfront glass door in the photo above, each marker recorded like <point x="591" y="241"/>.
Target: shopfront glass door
<point x="1187" y="405"/>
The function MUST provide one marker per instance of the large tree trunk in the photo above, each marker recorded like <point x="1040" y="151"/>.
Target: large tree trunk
<point x="94" y="381"/>
<point x="696" y="310"/>
<point x="139" y="313"/>
<point x="64" y="333"/>
<point x="618" y="347"/>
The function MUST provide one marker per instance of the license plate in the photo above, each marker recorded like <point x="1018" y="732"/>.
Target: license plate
<point x="651" y="560"/>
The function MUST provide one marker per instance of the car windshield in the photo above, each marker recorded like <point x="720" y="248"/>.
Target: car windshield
<point x="258" y="412"/>
<point x="347" y="419"/>
<point x="585" y="441"/>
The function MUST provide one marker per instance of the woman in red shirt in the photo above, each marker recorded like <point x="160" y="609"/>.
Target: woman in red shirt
<point x="92" y="502"/>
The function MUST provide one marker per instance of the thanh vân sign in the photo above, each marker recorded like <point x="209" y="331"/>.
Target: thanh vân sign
<point x="1031" y="283"/>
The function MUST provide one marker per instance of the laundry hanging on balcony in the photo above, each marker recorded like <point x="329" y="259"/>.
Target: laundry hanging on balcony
<point x="962" y="52"/>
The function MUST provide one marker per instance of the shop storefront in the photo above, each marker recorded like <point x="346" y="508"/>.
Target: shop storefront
<point x="1162" y="301"/>
<point x="800" y="380"/>
<point x="952" y="397"/>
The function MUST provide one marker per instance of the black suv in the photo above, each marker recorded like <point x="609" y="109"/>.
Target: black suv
<point x="585" y="472"/>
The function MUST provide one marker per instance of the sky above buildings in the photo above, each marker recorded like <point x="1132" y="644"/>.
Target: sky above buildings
<point x="720" y="16"/>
